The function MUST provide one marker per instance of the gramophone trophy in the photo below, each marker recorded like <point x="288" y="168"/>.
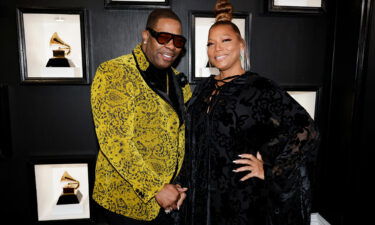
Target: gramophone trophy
<point x="60" y="49"/>
<point x="70" y="193"/>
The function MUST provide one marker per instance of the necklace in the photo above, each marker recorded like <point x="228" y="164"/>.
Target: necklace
<point x="167" y="84"/>
<point x="228" y="78"/>
<point x="225" y="80"/>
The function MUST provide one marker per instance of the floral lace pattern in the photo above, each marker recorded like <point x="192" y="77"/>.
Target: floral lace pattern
<point x="247" y="115"/>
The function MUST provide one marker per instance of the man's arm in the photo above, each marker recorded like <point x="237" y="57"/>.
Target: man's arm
<point x="113" y="112"/>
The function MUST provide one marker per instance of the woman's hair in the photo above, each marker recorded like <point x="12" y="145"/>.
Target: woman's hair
<point x="223" y="10"/>
<point x="223" y="16"/>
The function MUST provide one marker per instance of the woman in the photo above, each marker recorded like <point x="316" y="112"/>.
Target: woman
<point x="250" y="142"/>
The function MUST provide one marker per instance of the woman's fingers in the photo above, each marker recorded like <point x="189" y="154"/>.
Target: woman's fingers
<point x="243" y="161"/>
<point x="181" y="200"/>
<point x="258" y="172"/>
<point x="251" y="156"/>
<point x="248" y="176"/>
<point x="247" y="156"/>
<point x="253" y="164"/>
<point x="244" y="168"/>
<point x="182" y="189"/>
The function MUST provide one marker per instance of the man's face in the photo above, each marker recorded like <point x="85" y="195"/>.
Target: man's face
<point x="162" y="56"/>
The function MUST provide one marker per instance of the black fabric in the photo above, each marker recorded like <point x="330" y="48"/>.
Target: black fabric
<point x="115" y="219"/>
<point x="157" y="77"/>
<point x="246" y="115"/>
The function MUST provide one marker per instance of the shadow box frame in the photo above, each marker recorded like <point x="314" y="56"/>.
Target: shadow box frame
<point x="272" y="7"/>
<point x="303" y="91"/>
<point x="138" y="4"/>
<point x="42" y="169"/>
<point x="193" y="16"/>
<point x="75" y="19"/>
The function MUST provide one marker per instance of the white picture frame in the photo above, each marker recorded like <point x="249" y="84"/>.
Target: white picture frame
<point x="48" y="191"/>
<point x="40" y="31"/>
<point x="297" y="6"/>
<point x="298" y="3"/>
<point x="124" y="4"/>
<point x="62" y="189"/>
<point x="307" y="99"/>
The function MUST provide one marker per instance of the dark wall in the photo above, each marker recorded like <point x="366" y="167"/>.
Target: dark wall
<point x="363" y="150"/>
<point x="55" y="120"/>
<point x="344" y="186"/>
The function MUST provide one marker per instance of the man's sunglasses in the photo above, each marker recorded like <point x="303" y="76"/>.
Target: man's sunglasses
<point x="164" y="38"/>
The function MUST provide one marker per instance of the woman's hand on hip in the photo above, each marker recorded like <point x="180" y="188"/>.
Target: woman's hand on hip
<point x="252" y="164"/>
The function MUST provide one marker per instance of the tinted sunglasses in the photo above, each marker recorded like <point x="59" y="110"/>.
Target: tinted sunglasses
<point x="164" y="38"/>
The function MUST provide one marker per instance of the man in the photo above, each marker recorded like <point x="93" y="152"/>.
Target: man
<point x="138" y="109"/>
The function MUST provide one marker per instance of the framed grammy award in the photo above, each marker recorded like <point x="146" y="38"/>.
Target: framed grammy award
<point x="53" y="46"/>
<point x="62" y="188"/>
<point x="296" y="6"/>
<point x="124" y="4"/>
<point x="200" y="23"/>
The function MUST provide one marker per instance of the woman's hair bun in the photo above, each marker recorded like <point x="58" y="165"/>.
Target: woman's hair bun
<point x="223" y="10"/>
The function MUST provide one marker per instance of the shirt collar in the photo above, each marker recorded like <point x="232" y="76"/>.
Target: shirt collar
<point x="141" y="57"/>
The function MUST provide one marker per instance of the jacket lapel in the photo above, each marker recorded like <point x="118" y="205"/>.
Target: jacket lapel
<point x="142" y="65"/>
<point x="180" y="97"/>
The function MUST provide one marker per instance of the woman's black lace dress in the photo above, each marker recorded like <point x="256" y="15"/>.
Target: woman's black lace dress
<point x="245" y="115"/>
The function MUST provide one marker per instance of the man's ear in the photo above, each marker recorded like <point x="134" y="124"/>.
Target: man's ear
<point x="145" y="36"/>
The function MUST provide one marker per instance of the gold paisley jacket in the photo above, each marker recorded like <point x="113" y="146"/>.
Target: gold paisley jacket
<point x="141" y="140"/>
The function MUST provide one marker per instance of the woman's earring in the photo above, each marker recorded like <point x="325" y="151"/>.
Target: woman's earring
<point x="242" y="58"/>
<point x="145" y="42"/>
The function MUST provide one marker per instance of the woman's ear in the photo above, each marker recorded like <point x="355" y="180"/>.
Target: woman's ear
<point x="243" y="44"/>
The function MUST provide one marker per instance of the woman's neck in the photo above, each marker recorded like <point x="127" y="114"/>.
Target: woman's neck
<point x="230" y="72"/>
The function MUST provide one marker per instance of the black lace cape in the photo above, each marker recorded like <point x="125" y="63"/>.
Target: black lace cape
<point x="249" y="114"/>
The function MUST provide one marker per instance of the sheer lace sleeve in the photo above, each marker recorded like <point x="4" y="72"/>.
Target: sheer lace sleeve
<point x="290" y="155"/>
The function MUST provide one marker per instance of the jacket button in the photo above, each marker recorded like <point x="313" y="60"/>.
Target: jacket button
<point x="139" y="193"/>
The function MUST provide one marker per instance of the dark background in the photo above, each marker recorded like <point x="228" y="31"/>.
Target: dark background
<point x="332" y="51"/>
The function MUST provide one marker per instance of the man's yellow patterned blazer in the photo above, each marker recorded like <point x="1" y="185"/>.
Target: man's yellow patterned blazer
<point x="141" y="140"/>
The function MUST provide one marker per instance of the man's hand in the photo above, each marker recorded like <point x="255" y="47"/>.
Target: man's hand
<point x="168" y="196"/>
<point x="171" y="196"/>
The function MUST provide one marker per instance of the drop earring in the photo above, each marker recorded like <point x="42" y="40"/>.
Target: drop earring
<point x="242" y="58"/>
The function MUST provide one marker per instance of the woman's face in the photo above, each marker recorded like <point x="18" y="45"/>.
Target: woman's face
<point x="223" y="48"/>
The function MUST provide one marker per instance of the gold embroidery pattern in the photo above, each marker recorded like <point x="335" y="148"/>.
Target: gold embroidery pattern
<point x="140" y="138"/>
